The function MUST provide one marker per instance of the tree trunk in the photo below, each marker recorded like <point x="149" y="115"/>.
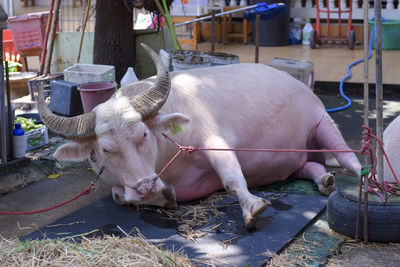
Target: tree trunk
<point x="114" y="38"/>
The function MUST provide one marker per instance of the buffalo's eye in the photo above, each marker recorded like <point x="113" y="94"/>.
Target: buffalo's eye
<point x="145" y="134"/>
<point x="92" y="156"/>
<point x="105" y="150"/>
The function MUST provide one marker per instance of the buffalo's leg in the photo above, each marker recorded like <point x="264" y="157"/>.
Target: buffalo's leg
<point x="229" y="171"/>
<point x="328" y="136"/>
<point x="316" y="172"/>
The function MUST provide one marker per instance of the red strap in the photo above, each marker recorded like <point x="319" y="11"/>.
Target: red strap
<point x="83" y="193"/>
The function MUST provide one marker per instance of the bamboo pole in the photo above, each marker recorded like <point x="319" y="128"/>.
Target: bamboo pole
<point x="83" y="30"/>
<point x="366" y="114"/>
<point x="52" y="35"/>
<point x="169" y="24"/>
<point x="379" y="88"/>
<point x="46" y="38"/>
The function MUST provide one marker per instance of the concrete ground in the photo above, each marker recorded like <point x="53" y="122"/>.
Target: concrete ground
<point x="26" y="187"/>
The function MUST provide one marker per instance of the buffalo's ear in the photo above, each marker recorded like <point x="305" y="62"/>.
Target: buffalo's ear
<point x="73" y="151"/>
<point x="167" y="122"/>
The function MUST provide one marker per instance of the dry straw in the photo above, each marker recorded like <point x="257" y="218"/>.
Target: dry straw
<point x="111" y="250"/>
<point x="105" y="251"/>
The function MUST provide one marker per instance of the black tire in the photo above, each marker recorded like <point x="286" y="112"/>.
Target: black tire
<point x="352" y="39"/>
<point x="383" y="221"/>
<point x="313" y="39"/>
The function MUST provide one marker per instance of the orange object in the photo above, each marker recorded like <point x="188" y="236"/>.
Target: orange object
<point x="9" y="51"/>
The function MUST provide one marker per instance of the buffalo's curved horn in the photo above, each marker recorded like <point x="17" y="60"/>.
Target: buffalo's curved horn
<point x="150" y="102"/>
<point x="78" y="128"/>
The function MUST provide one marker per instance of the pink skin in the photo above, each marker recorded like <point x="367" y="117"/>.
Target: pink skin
<point x="237" y="106"/>
<point x="392" y="148"/>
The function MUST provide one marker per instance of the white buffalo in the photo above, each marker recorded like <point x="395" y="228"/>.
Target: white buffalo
<point x="232" y="106"/>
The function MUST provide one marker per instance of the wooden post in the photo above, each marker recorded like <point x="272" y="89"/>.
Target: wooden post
<point x="366" y="114"/>
<point x="212" y="30"/>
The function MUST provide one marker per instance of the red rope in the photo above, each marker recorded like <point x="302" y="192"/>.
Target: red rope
<point x="367" y="148"/>
<point x="191" y="149"/>
<point x="83" y="193"/>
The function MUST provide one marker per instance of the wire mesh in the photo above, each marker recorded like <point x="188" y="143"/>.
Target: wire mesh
<point x="73" y="14"/>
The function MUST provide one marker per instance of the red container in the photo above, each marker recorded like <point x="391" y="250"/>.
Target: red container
<point x="28" y="32"/>
<point x="9" y="51"/>
<point x="95" y="93"/>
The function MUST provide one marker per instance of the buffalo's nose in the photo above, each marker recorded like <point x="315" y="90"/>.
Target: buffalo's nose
<point x="145" y="186"/>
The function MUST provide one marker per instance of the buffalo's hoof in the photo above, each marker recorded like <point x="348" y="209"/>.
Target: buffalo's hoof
<point x="170" y="198"/>
<point x="327" y="183"/>
<point x="257" y="208"/>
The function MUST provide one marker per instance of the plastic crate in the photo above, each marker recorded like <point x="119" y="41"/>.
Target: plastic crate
<point x="86" y="73"/>
<point x="43" y="82"/>
<point x="28" y="32"/>
<point x="9" y="51"/>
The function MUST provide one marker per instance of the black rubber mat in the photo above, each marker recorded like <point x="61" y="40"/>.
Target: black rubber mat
<point x="223" y="237"/>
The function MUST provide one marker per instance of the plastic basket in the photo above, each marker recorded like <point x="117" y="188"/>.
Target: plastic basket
<point x="390" y="34"/>
<point x="28" y="32"/>
<point x="44" y="82"/>
<point x="9" y="51"/>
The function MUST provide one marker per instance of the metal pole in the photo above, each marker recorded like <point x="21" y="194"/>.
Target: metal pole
<point x="9" y="111"/>
<point x="257" y="38"/>
<point x="3" y="119"/>
<point x="218" y="15"/>
<point x="379" y="87"/>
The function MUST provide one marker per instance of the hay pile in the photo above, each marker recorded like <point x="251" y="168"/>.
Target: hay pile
<point x="190" y="218"/>
<point x="105" y="251"/>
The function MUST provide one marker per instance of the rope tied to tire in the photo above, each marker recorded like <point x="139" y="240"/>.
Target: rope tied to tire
<point x="369" y="171"/>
